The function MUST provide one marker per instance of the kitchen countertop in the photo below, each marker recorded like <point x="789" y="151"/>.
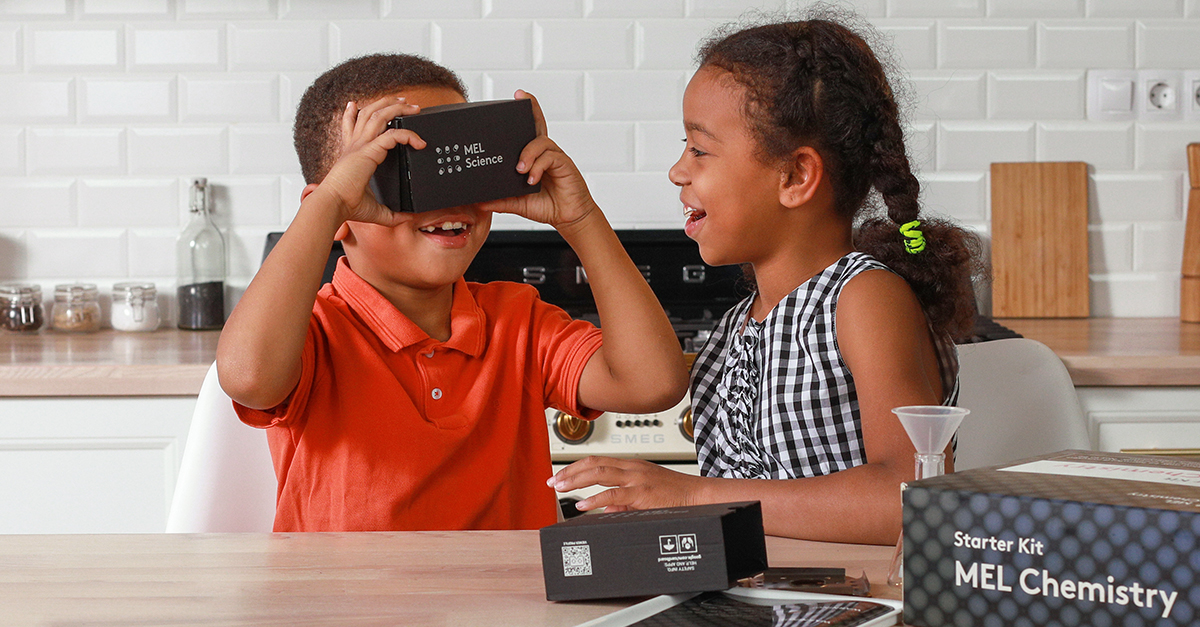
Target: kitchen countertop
<point x="1120" y="351"/>
<point x="167" y="362"/>
<point x="171" y="362"/>
<point x="377" y="578"/>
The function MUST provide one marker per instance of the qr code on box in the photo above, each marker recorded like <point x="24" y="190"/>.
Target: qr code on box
<point x="577" y="560"/>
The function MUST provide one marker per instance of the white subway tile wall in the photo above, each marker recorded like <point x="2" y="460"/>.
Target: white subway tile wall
<point x="111" y="106"/>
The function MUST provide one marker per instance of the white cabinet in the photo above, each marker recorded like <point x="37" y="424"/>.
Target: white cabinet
<point x="90" y="465"/>
<point x="109" y="464"/>
<point x="1142" y="417"/>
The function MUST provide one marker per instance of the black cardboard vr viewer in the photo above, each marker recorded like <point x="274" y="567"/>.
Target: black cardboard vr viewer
<point x="471" y="156"/>
<point x="653" y="551"/>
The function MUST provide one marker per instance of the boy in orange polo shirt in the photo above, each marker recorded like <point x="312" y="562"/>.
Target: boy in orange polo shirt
<point x="400" y="396"/>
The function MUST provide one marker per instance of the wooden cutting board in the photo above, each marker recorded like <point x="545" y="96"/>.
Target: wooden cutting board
<point x="1040" y="240"/>
<point x="1189" y="296"/>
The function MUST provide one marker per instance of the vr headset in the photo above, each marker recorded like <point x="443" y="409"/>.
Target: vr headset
<point x="470" y="156"/>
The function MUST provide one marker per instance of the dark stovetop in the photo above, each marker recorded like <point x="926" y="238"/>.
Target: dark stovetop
<point x="987" y="329"/>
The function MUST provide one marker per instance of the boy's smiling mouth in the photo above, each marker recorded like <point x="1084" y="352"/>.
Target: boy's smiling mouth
<point x="451" y="227"/>
<point x="452" y="231"/>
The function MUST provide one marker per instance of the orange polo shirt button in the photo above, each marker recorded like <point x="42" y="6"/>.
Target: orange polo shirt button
<point x="436" y="394"/>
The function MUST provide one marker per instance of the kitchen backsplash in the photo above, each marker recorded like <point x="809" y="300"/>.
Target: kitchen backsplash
<point x="109" y="107"/>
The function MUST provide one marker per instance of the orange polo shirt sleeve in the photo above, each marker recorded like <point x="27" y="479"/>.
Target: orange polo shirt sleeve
<point x="389" y="429"/>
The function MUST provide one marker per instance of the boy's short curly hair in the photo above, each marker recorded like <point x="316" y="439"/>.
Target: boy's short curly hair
<point x="317" y="127"/>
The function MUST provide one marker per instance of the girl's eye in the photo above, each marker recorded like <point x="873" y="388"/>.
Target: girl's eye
<point x="695" y="152"/>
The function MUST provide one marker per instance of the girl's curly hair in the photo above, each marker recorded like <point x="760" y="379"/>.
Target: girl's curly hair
<point x="816" y="82"/>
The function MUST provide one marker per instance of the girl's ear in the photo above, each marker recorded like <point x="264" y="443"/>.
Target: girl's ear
<point x="801" y="177"/>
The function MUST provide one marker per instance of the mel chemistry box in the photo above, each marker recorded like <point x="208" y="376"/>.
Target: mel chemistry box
<point x="1071" y="538"/>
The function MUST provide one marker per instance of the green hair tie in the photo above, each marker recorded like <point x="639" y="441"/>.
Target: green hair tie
<point x="914" y="241"/>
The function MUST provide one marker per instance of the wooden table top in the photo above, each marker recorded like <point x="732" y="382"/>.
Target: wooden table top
<point x="313" y="579"/>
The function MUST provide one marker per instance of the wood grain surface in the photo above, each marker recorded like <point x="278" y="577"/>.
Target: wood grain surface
<point x="1120" y="351"/>
<point x="317" y="579"/>
<point x="1040" y="240"/>
<point x="1189" y="289"/>
<point x="1193" y="157"/>
<point x="166" y="362"/>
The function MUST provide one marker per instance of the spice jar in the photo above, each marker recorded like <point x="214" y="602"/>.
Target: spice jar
<point x="21" y="307"/>
<point x="134" y="307"/>
<point x="76" y="308"/>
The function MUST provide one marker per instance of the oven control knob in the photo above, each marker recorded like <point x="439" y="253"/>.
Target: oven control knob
<point x="685" y="424"/>
<point x="572" y="429"/>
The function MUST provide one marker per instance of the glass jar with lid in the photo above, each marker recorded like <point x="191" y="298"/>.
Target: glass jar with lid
<point x="76" y="308"/>
<point x="21" y="307"/>
<point x="134" y="307"/>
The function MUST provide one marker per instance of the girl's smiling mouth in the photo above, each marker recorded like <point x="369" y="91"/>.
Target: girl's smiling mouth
<point x="694" y="218"/>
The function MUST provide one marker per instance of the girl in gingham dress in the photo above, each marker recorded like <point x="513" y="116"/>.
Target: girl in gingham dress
<point x="790" y="126"/>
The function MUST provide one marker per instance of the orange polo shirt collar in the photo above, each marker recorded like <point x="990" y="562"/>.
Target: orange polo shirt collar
<point x="395" y="330"/>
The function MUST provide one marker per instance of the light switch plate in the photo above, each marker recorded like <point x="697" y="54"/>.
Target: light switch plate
<point x="1108" y="93"/>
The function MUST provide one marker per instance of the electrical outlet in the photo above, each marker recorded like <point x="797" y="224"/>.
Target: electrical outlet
<point x="1191" y="95"/>
<point x="1159" y="95"/>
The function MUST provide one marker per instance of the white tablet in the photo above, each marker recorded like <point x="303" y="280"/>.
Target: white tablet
<point x="754" y="607"/>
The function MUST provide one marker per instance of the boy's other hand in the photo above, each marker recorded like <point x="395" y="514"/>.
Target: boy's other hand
<point x="366" y="140"/>
<point x="564" y="198"/>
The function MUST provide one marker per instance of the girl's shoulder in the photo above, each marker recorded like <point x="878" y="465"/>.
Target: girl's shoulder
<point x="857" y="262"/>
<point x="822" y="291"/>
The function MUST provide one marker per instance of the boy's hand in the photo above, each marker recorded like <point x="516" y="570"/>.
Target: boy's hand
<point x="366" y="140"/>
<point x="564" y="198"/>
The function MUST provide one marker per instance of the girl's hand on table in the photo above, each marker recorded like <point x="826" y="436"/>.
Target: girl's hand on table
<point x="634" y="483"/>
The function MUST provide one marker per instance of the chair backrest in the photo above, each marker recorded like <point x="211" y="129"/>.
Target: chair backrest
<point x="226" y="479"/>
<point x="1022" y="404"/>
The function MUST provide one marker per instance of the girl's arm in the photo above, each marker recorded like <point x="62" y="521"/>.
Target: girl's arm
<point x="885" y="342"/>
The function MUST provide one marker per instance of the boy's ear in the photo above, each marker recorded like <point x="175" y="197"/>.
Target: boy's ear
<point x="801" y="176"/>
<point x="308" y="189"/>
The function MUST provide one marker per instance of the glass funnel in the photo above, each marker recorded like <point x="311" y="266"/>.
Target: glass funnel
<point x="930" y="428"/>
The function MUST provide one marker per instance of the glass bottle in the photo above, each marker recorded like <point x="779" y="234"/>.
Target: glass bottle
<point x="200" y="258"/>
<point x="21" y="307"/>
<point x="76" y="308"/>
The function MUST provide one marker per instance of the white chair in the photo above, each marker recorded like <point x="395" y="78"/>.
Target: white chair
<point x="226" y="479"/>
<point x="1022" y="403"/>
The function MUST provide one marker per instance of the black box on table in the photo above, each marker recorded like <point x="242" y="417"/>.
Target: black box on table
<point x="653" y="551"/>
<point x="470" y="156"/>
<point x="1069" y="538"/>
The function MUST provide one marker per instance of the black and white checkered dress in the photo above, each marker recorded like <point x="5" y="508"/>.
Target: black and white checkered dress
<point x="773" y="399"/>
